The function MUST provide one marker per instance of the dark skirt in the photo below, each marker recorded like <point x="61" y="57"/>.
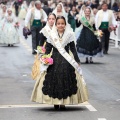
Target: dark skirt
<point x="88" y="44"/>
<point x="60" y="80"/>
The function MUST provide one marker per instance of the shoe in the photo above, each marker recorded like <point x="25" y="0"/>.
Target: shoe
<point x="105" y="52"/>
<point x="91" y="61"/>
<point x="62" y="107"/>
<point x="86" y="60"/>
<point x="8" y="45"/>
<point x="11" y="45"/>
<point x="56" y="107"/>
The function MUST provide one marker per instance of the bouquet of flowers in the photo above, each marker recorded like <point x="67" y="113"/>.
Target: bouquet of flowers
<point x="98" y="33"/>
<point x="46" y="59"/>
<point x="16" y="25"/>
<point x="41" y="49"/>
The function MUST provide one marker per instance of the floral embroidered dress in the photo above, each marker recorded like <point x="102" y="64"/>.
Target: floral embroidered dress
<point x="10" y="32"/>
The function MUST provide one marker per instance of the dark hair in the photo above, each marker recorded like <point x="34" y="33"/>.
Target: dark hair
<point x="104" y="3"/>
<point x="52" y="14"/>
<point x="60" y="17"/>
<point x="115" y="4"/>
<point x="45" y="3"/>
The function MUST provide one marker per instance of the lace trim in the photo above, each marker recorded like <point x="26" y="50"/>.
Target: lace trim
<point x="45" y="32"/>
<point x="67" y="39"/>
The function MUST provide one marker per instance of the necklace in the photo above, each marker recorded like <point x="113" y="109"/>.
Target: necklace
<point x="60" y="36"/>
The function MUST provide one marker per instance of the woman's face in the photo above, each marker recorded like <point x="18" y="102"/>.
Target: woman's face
<point x="51" y="20"/>
<point x="60" y="24"/>
<point x="73" y="8"/>
<point x="87" y="12"/>
<point x="32" y="3"/>
<point x="9" y="12"/>
<point x="4" y="9"/>
<point x="59" y="8"/>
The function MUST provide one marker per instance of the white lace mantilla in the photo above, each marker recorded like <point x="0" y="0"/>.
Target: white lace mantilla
<point x="65" y="40"/>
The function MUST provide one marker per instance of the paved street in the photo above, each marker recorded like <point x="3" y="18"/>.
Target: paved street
<point x="102" y="78"/>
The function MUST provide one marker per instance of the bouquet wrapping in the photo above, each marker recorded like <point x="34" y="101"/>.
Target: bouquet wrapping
<point x="46" y="60"/>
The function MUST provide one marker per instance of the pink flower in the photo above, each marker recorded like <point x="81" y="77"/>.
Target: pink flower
<point x="43" y="49"/>
<point x="50" y="60"/>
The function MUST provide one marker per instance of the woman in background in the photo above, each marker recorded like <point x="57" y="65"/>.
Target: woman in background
<point x="43" y="37"/>
<point x="23" y="10"/>
<point x="10" y="34"/>
<point x="87" y="43"/>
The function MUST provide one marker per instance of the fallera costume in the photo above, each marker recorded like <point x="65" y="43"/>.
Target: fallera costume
<point x="62" y="83"/>
<point x="10" y="33"/>
<point x="36" y="66"/>
<point x="87" y="43"/>
<point x="23" y="11"/>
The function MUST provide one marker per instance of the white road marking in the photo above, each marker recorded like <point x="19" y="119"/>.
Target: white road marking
<point x="118" y="100"/>
<point x="102" y="119"/>
<point x="86" y="104"/>
<point x="91" y="108"/>
<point x="24" y="75"/>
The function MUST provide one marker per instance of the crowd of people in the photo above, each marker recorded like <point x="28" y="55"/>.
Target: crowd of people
<point x="67" y="31"/>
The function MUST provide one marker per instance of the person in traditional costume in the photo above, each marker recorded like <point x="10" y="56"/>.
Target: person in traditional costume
<point x="32" y="5"/>
<point x="46" y="8"/>
<point x="23" y="10"/>
<point x="13" y="8"/>
<point x="49" y="25"/>
<point x="78" y="29"/>
<point x="62" y="82"/>
<point x="1" y="6"/>
<point x="72" y="17"/>
<point x="2" y="16"/>
<point x="3" y="12"/>
<point x="16" y="6"/>
<point x="103" y="20"/>
<point x="10" y="34"/>
<point x="87" y="43"/>
<point x="36" y="17"/>
<point x="43" y="37"/>
<point x="60" y="11"/>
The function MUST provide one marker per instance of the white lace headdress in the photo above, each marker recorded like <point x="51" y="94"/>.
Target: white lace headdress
<point x="67" y="37"/>
<point x="82" y="14"/>
<point x="30" y="5"/>
<point x="63" y="11"/>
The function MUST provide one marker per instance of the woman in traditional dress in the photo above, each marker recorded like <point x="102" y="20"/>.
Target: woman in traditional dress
<point x="87" y="43"/>
<point x="3" y="12"/>
<point x="1" y="6"/>
<point x="78" y="29"/>
<point x="72" y="17"/>
<point x="32" y="5"/>
<point x="23" y="11"/>
<point x="62" y="83"/>
<point x="2" y="16"/>
<point x="13" y="8"/>
<point x="60" y="11"/>
<point x="10" y="34"/>
<point x="43" y="37"/>
<point x="49" y="25"/>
